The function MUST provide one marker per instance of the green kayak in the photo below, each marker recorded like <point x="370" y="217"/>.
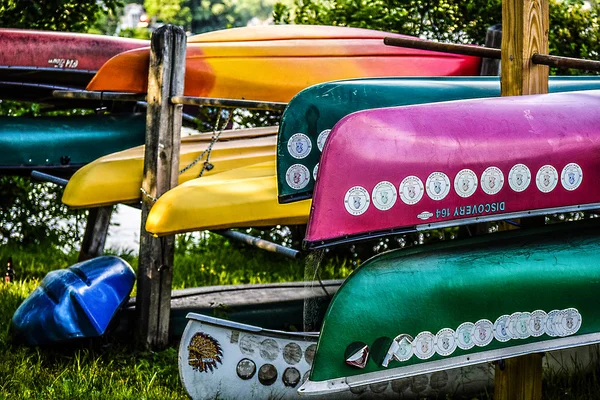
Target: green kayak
<point x="459" y="303"/>
<point x="312" y="113"/>
<point x="64" y="144"/>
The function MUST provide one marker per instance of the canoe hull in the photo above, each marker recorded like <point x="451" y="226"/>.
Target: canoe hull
<point x="273" y="63"/>
<point x="77" y="302"/>
<point x="315" y="111"/>
<point x="471" y="301"/>
<point x="248" y="362"/>
<point x="242" y="197"/>
<point x="65" y="144"/>
<point x="436" y="165"/>
<point x="235" y="149"/>
<point x="57" y="58"/>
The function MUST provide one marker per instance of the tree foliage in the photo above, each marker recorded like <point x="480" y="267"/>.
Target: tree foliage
<point x="54" y="15"/>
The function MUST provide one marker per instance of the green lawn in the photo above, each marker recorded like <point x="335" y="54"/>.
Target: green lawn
<point x="105" y="369"/>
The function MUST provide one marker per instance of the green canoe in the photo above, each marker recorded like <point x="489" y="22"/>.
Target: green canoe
<point x="64" y="144"/>
<point x="460" y="303"/>
<point x="314" y="111"/>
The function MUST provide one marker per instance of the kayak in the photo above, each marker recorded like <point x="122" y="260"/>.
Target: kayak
<point x="241" y="197"/>
<point x="90" y="186"/>
<point x="311" y="115"/>
<point x="225" y="359"/>
<point x="64" y="144"/>
<point x="58" y="58"/>
<point x="436" y="165"/>
<point x="76" y="302"/>
<point x="273" y="63"/>
<point x="471" y="301"/>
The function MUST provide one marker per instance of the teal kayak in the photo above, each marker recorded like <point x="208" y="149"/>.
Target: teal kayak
<point x="64" y="144"/>
<point x="312" y="113"/>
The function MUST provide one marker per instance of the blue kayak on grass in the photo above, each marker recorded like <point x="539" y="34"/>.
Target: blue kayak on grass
<point x="76" y="302"/>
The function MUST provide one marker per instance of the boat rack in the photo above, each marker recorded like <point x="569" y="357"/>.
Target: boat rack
<point x="184" y="100"/>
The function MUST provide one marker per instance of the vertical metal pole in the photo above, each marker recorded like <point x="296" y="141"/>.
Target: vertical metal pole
<point x="161" y="164"/>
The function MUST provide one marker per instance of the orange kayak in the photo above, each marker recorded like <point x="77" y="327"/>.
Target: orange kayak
<point x="273" y="63"/>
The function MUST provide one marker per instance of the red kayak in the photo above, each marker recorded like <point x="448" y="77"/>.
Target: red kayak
<point x="40" y="61"/>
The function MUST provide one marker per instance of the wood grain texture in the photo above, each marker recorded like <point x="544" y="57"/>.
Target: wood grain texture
<point x="520" y="379"/>
<point x="525" y="25"/>
<point x="161" y="169"/>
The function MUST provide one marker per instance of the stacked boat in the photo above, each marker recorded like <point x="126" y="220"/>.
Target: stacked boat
<point x="368" y="155"/>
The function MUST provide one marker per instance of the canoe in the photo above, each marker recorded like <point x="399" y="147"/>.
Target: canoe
<point x="273" y="63"/>
<point x="225" y="359"/>
<point x="472" y="301"/>
<point x="57" y="58"/>
<point x="276" y="306"/>
<point x="64" y="144"/>
<point x="314" y="111"/>
<point x="89" y="187"/>
<point x="76" y="302"/>
<point x="241" y="197"/>
<point x="436" y="165"/>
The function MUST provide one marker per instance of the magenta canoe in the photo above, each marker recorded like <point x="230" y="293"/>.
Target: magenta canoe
<point x="437" y="165"/>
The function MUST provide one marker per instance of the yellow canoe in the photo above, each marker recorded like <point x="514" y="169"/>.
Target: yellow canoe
<point x="242" y="197"/>
<point x="117" y="178"/>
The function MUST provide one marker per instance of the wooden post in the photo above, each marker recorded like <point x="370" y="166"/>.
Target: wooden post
<point x="525" y="25"/>
<point x="95" y="234"/>
<point x="161" y="165"/>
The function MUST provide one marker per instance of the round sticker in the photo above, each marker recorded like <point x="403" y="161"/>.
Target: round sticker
<point x="464" y="335"/>
<point x="445" y="342"/>
<point x="322" y="138"/>
<point x="384" y="195"/>
<point x="483" y="332"/>
<point x="437" y="185"/>
<point x="423" y="345"/>
<point x="297" y="176"/>
<point x="522" y="325"/>
<point x="519" y="177"/>
<point x="571" y="321"/>
<point x="571" y="176"/>
<point x="557" y="323"/>
<point x="315" y="170"/>
<point x="405" y="348"/>
<point x="299" y="145"/>
<point x="537" y="323"/>
<point x="465" y="183"/>
<point x="550" y="331"/>
<point x="512" y="325"/>
<point x="546" y="178"/>
<point x="357" y="200"/>
<point x="492" y="180"/>
<point x="411" y="190"/>
<point x="501" y="329"/>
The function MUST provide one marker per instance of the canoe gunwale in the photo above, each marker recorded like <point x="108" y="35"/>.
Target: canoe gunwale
<point x="319" y="244"/>
<point x="343" y="384"/>
<point x="205" y="319"/>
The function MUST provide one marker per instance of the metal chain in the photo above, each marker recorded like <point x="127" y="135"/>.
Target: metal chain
<point x="215" y="137"/>
<point x="207" y="165"/>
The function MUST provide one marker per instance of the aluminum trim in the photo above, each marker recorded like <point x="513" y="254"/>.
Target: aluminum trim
<point x="341" y="384"/>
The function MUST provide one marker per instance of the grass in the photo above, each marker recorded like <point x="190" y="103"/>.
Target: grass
<point x="104" y="369"/>
<point x="101" y="369"/>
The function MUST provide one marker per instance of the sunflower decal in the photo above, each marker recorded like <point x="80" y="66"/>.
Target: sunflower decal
<point x="204" y="352"/>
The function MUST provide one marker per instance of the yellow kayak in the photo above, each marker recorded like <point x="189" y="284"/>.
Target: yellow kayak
<point x="242" y="197"/>
<point x="117" y="178"/>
